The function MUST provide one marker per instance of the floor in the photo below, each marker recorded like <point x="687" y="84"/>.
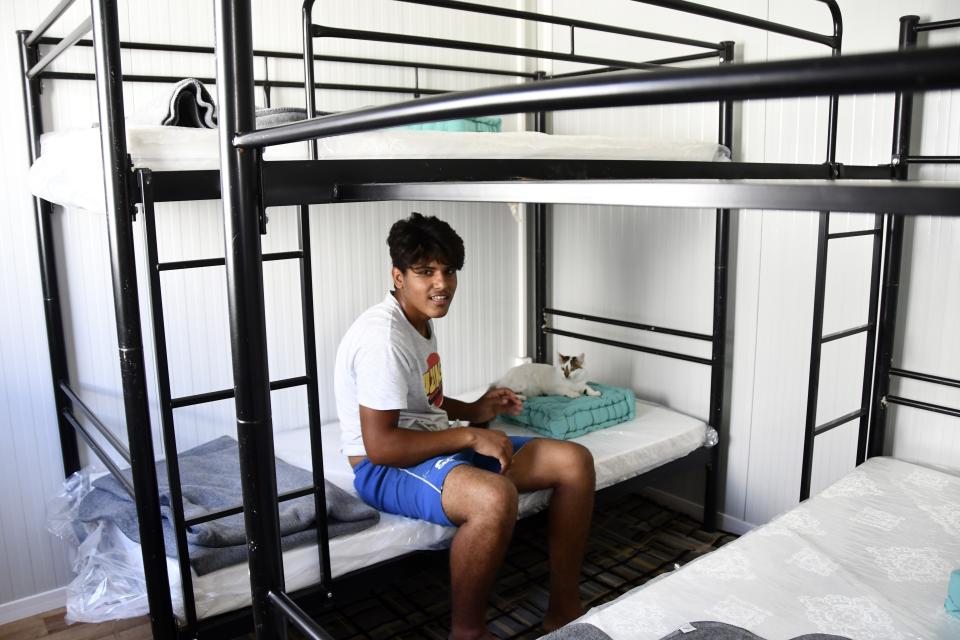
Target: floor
<point x="631" y="541"/>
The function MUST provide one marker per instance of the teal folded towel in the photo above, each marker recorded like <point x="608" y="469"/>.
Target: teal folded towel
<point x="563" y="418"/>
<point x="952" y="604"/>
<point x="481" y="125"/>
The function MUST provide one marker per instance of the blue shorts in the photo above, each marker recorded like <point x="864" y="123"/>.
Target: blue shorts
<point x="415" y="491"/>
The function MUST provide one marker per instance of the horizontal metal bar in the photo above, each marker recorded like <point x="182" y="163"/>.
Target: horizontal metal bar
<point x="304" y="623"/>
<point x="736" y="18"/>
<point x="631" y="325"/>
<point x="231" y="511"/>
<point x="219" y="262"/>
<point x="926" y="406"/>
<point x="833" y="424"/>
<point x="914" y="70"/>
<point x="926" y="377"/>
<point x="628" y="345"/>
<point x="934" y="26"/>
<point x="930" y="159"/>
<point x="216" y="396"/>
<point x="287" y="84"/>
<point x="847" y="332"/>
<point x="291" y="55"/>
<point x="81" y="30"/>
<point x="854" y="234"/>
<point x="660" y="62"/>
<point x="321" y="31"/>
<point x="47" y="22"/>
<point x="114" y="441"/>
<point x="560" y="20"/>
<point x="914" y="198"/>
<point x="100" y="453"/>
<point x="299" y="181"/>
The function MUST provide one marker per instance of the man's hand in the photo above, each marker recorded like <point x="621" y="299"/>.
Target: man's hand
<point x="495" y="444"/>
<point x="493" y="403"/>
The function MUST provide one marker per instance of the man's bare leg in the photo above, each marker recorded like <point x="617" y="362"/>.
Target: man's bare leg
<point x="484" y="506"/>
<point x="568" y="469"/>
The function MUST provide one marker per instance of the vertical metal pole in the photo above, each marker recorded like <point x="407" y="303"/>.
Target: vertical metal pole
<point x="721" y="259"/>
<point x="816" y="345"/>
<point x="42" y="211"/>
<point x="820" y="285"/>
<point x="893" y="249"/>
<point x="309" y="80"/>
<point x="239" y="178"/>
<point x="113" y="138"/>
<point x="313" y="396"/>
<point x="540" y="237"/>
<point x="145" y="183"/>
<point x="868" y="358"/>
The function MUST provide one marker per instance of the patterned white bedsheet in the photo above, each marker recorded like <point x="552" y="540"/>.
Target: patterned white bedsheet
<point x="868" y="558"/>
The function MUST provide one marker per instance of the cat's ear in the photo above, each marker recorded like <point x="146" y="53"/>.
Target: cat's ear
<point x="581" y="358"/>
<point x="563" y="358"/>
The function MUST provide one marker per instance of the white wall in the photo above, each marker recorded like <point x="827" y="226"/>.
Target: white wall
<point x="636" y="262"/>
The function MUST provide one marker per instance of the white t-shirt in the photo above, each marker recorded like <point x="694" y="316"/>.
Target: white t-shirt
<point x="384" y="363"/>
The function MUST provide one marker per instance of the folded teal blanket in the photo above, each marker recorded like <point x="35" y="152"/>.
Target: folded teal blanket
<point x="952" y="604"/>
<point x="483" y="125"/>
<point x="563" y="418"/>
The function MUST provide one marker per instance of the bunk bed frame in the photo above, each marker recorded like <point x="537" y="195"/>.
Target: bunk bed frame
<point x="248" y="185"/>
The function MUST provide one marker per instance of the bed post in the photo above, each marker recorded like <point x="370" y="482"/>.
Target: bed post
<point x="239" y="178"/>
<point x="540" y="238"/>
<point x="893" y="249"/>
<point x="42" y="211"/>
<point x="309" y="332"/>
<point x="820" y="284"/>
<point x="721" y="272"/>
<point x="113" y="137"/>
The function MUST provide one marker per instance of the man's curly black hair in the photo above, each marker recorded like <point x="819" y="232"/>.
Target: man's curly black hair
<point x="420" y="238"/>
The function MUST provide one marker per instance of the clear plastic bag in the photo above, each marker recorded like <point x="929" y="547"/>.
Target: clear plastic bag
<point x="108" y="584"/>
<point x="711" y="437"/>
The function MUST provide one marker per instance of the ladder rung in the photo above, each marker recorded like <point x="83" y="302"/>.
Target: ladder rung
<point x="839" y="421"/>
<point x="847" y="332"/>
<point x="223" y="513"/>
<point x="219" y="262"/>
<point x="853" y="234"/>
<point x="216" y="396"/>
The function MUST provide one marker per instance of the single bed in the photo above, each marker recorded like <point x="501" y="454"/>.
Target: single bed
<point x="69" y="170"/>
<point x="868" y="558"/>
<point x="655" y="437"/>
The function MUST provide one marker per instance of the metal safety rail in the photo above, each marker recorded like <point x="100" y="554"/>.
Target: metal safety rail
<point x="910" y="28"/>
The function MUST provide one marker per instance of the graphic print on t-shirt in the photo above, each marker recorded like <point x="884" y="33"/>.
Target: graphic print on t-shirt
<point x="433" y="380"/>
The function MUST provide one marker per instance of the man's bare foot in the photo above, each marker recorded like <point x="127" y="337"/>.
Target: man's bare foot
<point x="482" y="634"/>
<point x="554" y="620"/>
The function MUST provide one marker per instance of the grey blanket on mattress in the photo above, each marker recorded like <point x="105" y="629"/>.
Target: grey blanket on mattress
<point x="703" y="630"/>
<point x="210" y="481"/>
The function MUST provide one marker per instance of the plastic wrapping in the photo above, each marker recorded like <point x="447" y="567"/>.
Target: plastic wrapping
<point x="109" y="584"/>
<point x="711" y="437"/>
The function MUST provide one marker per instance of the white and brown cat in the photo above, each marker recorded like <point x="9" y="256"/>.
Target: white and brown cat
<point x="568" y="378"/>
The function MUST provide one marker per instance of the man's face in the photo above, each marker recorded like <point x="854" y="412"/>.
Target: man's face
<point x="425" y="290"/>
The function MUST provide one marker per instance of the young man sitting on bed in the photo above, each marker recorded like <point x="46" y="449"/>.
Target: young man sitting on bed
<point x="394" y="428"/>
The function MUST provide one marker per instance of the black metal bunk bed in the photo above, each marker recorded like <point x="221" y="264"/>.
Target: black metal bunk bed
<point x="248" y="185"/>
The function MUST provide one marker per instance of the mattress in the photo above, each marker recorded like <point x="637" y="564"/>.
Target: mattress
<point x="868" y="558"/>
<point x="656" y="436"/>
<point x="69" y="170"/>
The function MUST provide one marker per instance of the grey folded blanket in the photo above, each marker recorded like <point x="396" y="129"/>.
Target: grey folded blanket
<point x="188" y="103"/>
<point x="210" y="481"/>
<point x="704" y="630"/>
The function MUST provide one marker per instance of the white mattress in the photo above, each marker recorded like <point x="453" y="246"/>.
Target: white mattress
<point x="868" y="558"/>
<point x="70" y="170"/>
<point x="656" y="436"/>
